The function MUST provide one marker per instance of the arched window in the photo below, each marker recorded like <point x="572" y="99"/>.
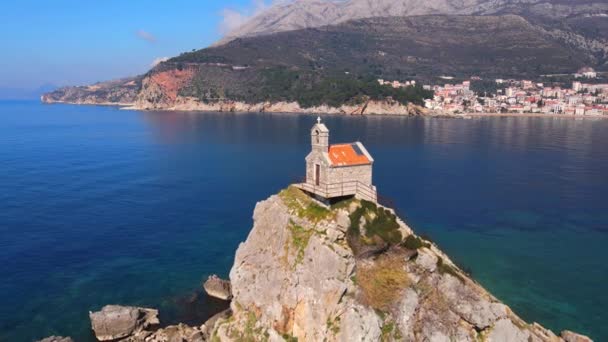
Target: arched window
<point x="317" y="136"/>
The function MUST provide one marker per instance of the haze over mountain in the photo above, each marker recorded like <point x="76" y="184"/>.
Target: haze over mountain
<point x="301" y="14"/>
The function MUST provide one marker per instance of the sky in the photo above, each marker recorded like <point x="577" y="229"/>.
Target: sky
<point x="69" y="42"/>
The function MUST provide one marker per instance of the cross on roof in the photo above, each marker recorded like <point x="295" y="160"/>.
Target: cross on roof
<point x="318" y="119"/>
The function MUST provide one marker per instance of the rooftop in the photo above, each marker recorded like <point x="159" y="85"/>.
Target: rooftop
<point x="348" y="155"/>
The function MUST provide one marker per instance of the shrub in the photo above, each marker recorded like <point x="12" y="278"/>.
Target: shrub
<point x="413" y="243"/>
<point x="380" y="223"/>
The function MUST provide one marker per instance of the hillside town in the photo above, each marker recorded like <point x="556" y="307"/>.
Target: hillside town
<point x="503" y="96"/>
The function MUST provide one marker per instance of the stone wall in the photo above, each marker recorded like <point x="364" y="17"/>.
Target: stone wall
<point x="316" y="158"/>
<point x="361" y="173"/>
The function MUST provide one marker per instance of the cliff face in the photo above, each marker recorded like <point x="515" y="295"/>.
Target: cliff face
<point x="355" y="272"/>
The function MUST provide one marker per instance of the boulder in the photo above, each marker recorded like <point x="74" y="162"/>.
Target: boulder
<point x="208" y="327"/>
<point x="505" y="331"/>
<point x="218" y="288"/>
<point x="427" y="260"/>
<point x="343" y="220"/>
<point x="56" y="339"/>
<point x="334" y="235"/>
<point x="570" y="336"/>
<point x="116" y="322"/>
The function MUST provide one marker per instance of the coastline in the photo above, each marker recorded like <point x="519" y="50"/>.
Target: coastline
<point x="533" y="115"/>
<point x="293" y="108"/>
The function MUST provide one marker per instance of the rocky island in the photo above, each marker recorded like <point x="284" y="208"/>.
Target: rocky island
<point x="350" y="271"/>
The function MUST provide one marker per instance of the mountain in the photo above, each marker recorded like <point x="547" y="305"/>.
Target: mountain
<point x="336" y="66"/>
<point x="295" y="65"/>
<point x="302" y="14"/>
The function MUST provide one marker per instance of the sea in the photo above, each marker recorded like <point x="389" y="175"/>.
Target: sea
<point x="100" y="205"/>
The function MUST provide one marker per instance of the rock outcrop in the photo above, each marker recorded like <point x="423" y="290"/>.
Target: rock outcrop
<point x="218" y="288"/>
<point x="298" y="275"/>
<point x="115" y="322"/>
<point x="352" y="271"/>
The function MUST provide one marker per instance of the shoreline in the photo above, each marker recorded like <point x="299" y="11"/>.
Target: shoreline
<point x="134" y="107"/>
<point x="534" y="115"/>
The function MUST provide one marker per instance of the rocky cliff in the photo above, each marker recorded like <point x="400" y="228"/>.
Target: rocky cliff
<point x="356" y="272"/>
<point x="352" y="271"/>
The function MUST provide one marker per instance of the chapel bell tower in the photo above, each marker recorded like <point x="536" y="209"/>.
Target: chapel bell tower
<point x="319" y="137"/>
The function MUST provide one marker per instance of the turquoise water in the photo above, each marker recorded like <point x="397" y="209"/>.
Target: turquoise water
<point x="99" y="206"/>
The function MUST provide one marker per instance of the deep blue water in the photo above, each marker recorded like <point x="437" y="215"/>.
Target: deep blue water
<point x="99" y="206"/>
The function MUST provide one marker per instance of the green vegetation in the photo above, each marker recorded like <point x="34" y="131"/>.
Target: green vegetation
<point x="333" y="325"/>
<point x="444" y="268"/>
<point x="413" y="242"/>
<point x="388" y="330"/>
<point x="303" y="206"/>
<point x="299" y="239"/>
<point x="250" y="333"/>
<point x="289" y="338"/>
<point x="380" y="222"/>
<point x="312" y="89"/>
<point x="383" y="281"/>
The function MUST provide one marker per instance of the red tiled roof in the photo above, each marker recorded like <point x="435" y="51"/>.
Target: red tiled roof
<point x="347" y="155"/>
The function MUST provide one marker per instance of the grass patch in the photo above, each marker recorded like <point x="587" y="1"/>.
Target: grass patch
<point x="444" y="268"/>
<point x="299" y="239"/>
<point x="303" y="205"/>
<point x="387" y="331"/>
<point x="383" y="281"/>
<point x="333" y="325"/>
<point x="380" y="222"/>
<point x="413" y="243"/>
<point x="289" y="338"/>
<point x="250" y="332"/>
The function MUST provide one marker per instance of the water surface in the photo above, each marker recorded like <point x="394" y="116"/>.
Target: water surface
<point x="99" y="206"/>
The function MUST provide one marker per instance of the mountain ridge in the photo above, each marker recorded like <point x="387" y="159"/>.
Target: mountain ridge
<point x="339" y="64"/>
<point x="302" y="14"/>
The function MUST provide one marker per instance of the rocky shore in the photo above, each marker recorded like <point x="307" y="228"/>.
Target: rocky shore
<point x="352" y="271"/>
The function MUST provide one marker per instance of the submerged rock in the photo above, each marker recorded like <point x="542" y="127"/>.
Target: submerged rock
<point x="570" y="336"/>
<point x="218" y="288"/>
<point x="56" y="339"/>
<point x="115" y="322"/>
